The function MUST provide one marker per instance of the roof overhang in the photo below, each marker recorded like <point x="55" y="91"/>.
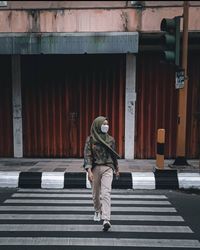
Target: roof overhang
<point x="68" y="43"/>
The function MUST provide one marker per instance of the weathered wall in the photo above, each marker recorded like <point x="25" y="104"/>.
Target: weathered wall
<point x="90" y="4"/>
<point x="93" y="20"/>
<point x="151" y="18"/>
<point x="64" y="4"/>
<point x="92" y="16"/>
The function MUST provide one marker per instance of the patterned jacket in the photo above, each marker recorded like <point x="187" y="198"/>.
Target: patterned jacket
<point x="96" y="154"/>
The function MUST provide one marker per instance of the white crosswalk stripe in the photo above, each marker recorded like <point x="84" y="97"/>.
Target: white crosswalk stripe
<point x="133" y="202"/>
<point x="87" y="195"/>
<point x="87" y="208"/>
<point x="58" y="241"/>
<point x="58" y="217"/>
<point x="92" y="228"/>
<point x="89" y="217"/>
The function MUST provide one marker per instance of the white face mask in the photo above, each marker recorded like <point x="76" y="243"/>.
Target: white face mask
<point x="104" y="128"/>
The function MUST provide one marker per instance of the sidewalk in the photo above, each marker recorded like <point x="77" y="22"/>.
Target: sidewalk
<point x="75" y="165"/>
<point x="69" y="173"/>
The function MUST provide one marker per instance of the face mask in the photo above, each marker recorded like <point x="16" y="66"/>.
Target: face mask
<point x="104" y="128"/>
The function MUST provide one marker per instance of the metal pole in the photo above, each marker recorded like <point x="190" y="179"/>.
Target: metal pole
<point x="182" y="105"/>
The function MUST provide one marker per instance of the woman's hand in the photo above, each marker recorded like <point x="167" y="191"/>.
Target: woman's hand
<point x="90" y="175"/>
<point x="117" y="172"/>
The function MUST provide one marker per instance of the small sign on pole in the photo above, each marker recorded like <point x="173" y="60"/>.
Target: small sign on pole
<point x="180" y="76"/>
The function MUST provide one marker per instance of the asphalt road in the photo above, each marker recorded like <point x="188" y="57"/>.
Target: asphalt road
<point x="62" y="219"/>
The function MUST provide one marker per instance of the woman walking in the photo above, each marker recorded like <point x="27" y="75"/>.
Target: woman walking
<point x="100" y="161"/>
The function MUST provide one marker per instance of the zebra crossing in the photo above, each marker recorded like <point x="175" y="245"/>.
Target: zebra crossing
<point x="39" y="218"/>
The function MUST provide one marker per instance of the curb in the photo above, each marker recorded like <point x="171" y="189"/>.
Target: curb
<point x="159" y="179"/>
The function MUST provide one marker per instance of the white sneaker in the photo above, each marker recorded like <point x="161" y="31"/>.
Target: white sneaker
<point x="97" y="216"/>
<point x="106" y="225"/>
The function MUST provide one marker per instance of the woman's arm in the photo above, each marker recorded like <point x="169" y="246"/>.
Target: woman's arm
<point x="88" y="158"/>
<point x="115" y="161"/>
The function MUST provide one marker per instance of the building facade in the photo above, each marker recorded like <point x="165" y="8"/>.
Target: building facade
<point x="65" y="62"/>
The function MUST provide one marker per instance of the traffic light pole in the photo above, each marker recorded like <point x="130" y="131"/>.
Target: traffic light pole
<point x="182" y="105"/>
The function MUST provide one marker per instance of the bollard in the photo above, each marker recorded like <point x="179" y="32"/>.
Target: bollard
<point x="160" y="148"/>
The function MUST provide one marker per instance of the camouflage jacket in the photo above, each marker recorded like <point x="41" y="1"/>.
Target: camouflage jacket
<point x="96" y="154"/>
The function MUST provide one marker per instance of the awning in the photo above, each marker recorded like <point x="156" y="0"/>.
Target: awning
<point x="68" y="43"/>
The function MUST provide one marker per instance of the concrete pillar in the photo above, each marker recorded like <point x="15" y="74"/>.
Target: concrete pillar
<point x="130" y="106"/>
<point x="17" y="106"/>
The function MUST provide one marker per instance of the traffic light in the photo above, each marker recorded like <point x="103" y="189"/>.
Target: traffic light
<point x="171" y="39"/>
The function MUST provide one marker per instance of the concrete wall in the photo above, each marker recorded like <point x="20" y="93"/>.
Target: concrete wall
<point x="92" y="16"/>
<point x="65" y="4"/>
<point x="90" y="4"/>
<point x="151" y="18"/>
<point x="17" y="106"/>
<point x="92" y="20"/>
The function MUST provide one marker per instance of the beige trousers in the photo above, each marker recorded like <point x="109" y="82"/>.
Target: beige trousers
<point x="102" y="182"/>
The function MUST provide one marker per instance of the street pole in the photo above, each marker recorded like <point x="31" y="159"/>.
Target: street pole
<point x="182" y="104"/>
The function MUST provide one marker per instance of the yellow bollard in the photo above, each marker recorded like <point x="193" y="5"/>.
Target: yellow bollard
<point x="160" y="148"/>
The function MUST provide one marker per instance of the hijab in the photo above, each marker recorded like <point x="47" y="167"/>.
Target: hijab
<point x="100" y="137"/>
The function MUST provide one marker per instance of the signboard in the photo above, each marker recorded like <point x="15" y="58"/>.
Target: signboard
<point x="180" y="76"/>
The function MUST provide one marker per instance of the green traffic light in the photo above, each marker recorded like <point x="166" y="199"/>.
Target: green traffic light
<point x="171" y="39"/>
<point x="168" y="24"/>
<point x="169" y="56"/>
